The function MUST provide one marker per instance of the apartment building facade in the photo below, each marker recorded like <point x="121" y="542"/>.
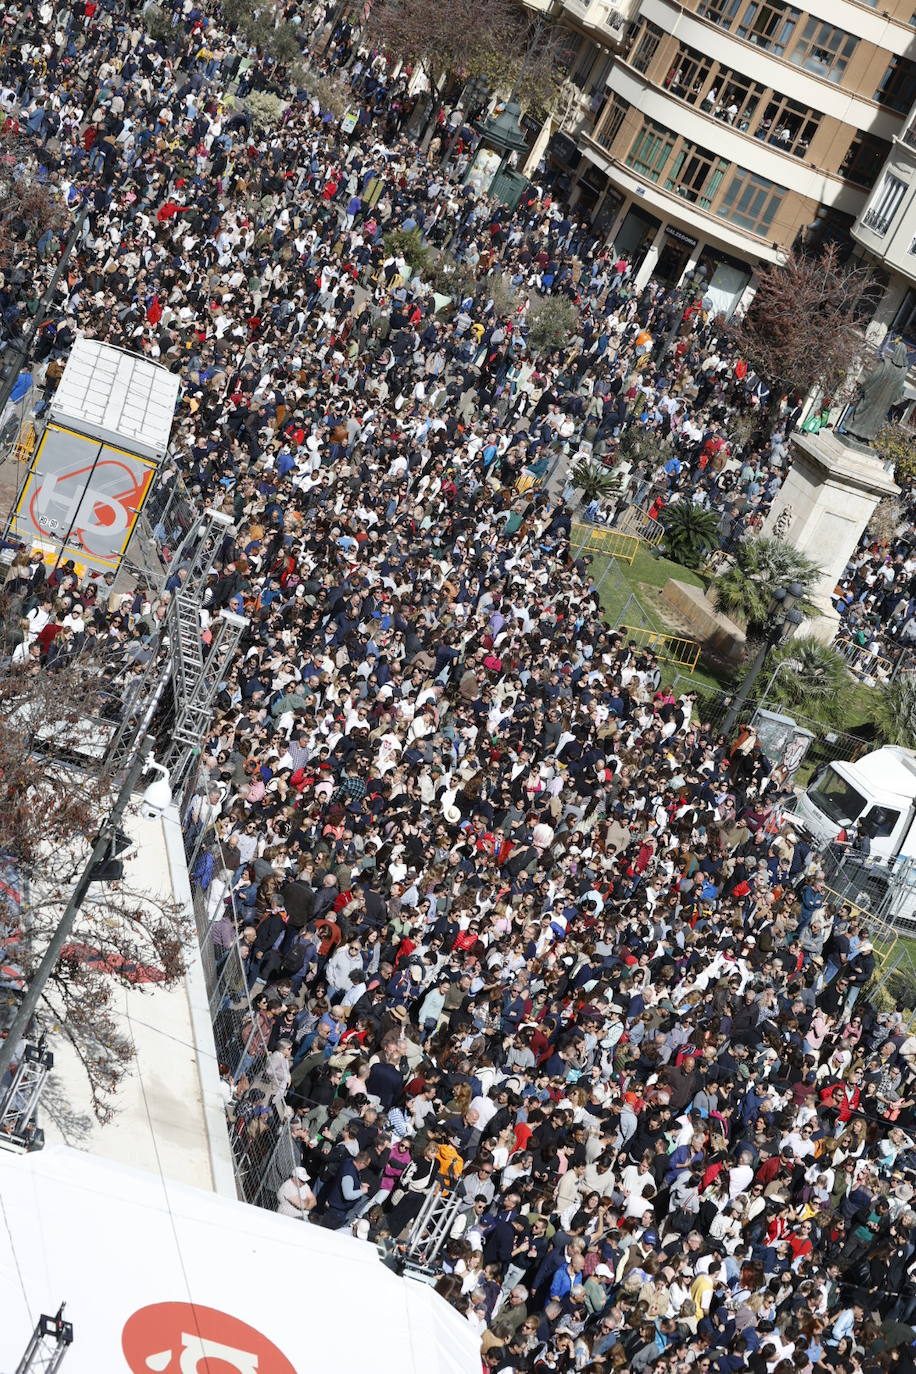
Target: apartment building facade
<point x="712" y="134"/>
<point x="885" y="231"/>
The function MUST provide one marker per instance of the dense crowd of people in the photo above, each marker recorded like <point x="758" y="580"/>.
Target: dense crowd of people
<point x="516" y="923"/>
<point x="876" y="598"/>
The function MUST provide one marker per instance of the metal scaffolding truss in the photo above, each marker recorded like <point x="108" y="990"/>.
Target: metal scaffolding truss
<point x="195" y="675"/>
<point x="137" y="712"/>
<point x="197" y="679"/>
<point x="47" y="1346"/>
<point x="196" y="555"/>
<point x="432" y="1228"/>
<point x="19" y="1103"/>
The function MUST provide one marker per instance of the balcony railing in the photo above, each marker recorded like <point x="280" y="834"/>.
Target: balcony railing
<point x="600" y="14"/>
<point x="877" y="222"/>
<point x="909" y="134"/>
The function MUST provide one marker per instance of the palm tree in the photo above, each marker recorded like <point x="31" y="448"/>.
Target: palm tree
<point x="814" y="682"/>
<point x="690" y="532"/>
<point x="595" y="481"/>
<point x="745" y="591"/>
<point x="895" y="711"/>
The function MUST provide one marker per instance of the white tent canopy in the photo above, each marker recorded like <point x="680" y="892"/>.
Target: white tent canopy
<point x="287" y="1296"/>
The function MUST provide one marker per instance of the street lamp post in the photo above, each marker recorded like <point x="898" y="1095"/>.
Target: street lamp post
<point x="784" y="612"/>
<point x="503" y="134"/>
<point x="100" y="854"/>
<point x="793" y="664"/>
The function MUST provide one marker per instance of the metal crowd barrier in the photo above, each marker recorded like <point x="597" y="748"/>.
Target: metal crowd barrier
<point x="673" y="648"/>
<point x="863" y="661"/>
<point x="636" y="521"/>
<point x="606" y="540"/>
<point x="264" y="1152"/>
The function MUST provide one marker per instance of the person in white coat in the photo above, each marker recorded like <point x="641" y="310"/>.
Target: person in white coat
<point x="294" y="1197"/>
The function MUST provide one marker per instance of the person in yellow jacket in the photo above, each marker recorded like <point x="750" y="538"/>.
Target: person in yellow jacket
<point x="450" y="1164"/>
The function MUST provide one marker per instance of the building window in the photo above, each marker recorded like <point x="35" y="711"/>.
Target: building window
<point x="688" y="74"/>
<point x="829" y="226"/>
<point x="904" y="324"/>
<point x="864" y="159"/>
<point x="787" y="125"/>
<point x="898" y="85"/>
<point x="721" y="12"/>
<point x="695" y="175"/>
<point x="880" y="214"/>
<point x="651" y="150"/>
<point x="769" y="25"/>
<point x="597" y="81"/>
<point x="750" y="202"/>
<point x="610" y="122"/>
<point x="644" y="46"/>
<point x="734" y="99"/>
<point x="583" y="65"/>
<point x="739" y="101"/>
<point x="823" y="50"/>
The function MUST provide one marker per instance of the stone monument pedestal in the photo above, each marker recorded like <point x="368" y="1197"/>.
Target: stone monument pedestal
<point x="822" y="508"/>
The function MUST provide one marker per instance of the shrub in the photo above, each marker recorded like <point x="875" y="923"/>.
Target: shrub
<point x="266" y="109"/>
<point x="886" y="520"/>
<point x="497" y="287"/>
<point x="690" y="532"/>
<point x="156" y="21"/>
<point x="330" y="93"/>
<point x="895" y="711"/>
<point x="409" y="245"/>
<point x="896" y="447"/>
<point x="815" y="681"/>
<point x="551" y="323"/>
<point x="447" y="275"/>
<point x="640" y="447"/>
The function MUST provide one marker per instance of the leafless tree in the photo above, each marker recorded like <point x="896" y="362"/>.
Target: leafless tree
<point x="28" y="204"/>
<point x="499" y="41"/>
<point x="804" y="328"/>
<point x="52" y="806"/>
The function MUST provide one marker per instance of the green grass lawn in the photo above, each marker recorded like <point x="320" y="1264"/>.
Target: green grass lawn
<point x="618" y="581"/>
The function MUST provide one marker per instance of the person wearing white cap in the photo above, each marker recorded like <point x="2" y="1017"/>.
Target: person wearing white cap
<point x="294" y="1197"/>
<point x="596" y="1288"/>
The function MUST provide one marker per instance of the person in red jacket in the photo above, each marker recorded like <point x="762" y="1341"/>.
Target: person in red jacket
<point x="842" y="1095"/>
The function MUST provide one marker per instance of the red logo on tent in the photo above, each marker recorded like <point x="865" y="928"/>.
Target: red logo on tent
<point x="182" y="1338"/>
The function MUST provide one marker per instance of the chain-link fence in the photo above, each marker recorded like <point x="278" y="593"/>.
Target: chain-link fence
<point x="825" y="745"/>
<point x="168" y="514"/>
<point x="263" y="1149"/>
<point x="622" y="607"/>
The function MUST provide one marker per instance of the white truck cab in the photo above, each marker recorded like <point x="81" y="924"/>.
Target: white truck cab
<point x="877" y="794"/>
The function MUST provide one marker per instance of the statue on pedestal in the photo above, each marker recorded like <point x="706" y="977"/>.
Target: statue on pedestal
<point x="878" y="391"/>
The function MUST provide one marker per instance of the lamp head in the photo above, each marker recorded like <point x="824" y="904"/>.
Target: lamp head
<point x="157" y="798"/>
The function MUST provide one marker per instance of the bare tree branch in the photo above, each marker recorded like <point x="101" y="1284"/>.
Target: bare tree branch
<point x="804" y="327"/>
<point x="498" y="41"/>
<point x="50" y="812"/>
